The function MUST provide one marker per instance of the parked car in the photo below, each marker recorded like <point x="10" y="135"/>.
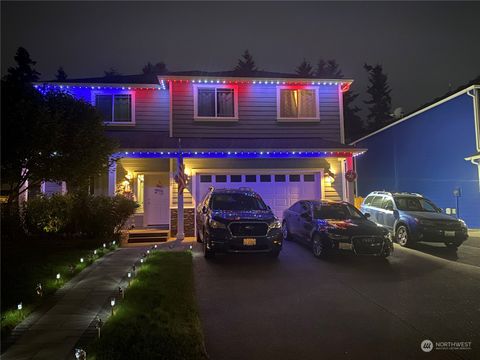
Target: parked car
<point x="412" y="217"/>
<point x="333" y="225"/>
<point x="237" y="221"/>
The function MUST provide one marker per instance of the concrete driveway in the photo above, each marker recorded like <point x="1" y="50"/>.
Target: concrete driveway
<point x="298" y="307"/>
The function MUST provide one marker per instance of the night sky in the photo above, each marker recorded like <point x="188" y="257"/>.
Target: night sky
<point x="425" y="48"/>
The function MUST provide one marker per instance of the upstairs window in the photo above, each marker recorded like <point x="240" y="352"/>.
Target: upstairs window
<point x="215" y="102"/>
<point x="115" y="108"/>
<point x="297" y="103"/>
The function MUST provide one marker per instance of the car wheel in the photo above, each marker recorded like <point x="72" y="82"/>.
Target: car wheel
<point x="402" y="236"/>
<point x="319" y="247"/>
<point x="286" y="234"/>
<point x="207" y="253"/>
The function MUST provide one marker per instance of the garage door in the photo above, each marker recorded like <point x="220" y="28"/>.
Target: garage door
<point x="278" y="190"/>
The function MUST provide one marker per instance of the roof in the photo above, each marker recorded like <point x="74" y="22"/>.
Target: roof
<point x="145" y="140"/>
<point x="449" y="96"/>
<point x="153" y="78"/>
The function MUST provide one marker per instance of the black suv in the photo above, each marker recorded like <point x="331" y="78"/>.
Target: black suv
<point x="237" y="220"/>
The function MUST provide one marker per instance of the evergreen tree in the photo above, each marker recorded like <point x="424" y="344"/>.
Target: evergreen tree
<point x="305" y="69"/>
<point x="111" y="72"/>
<point x="333" y="70"/>
<point x="158" y="68"/>
<point x="61" y="75"/>
<point x="320" y="72"/>
<point x="354" y="126"/>
<point x="246" y="65"/>
<point x="24" y="71"/>
<point x="380" y="101"/>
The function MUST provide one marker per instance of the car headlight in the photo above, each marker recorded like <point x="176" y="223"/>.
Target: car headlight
<point x="337" y="236"/>
<point x="214" y="224"/>
<point x="275" y="225"/>
<point x="464" y="224"/>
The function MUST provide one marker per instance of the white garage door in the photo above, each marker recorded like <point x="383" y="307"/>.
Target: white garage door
<point x="278" y="190"/>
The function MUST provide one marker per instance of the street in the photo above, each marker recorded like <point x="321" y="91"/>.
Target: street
<point x="299" y="307"/>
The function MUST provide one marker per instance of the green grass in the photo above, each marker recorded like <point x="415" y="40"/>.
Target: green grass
<point x="158" y="318"/>
<point x="27" y="262"/>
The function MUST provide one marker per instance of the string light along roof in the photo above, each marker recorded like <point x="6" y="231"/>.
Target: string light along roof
<point x="343" y="83"/>
<point x="95" y="86"/>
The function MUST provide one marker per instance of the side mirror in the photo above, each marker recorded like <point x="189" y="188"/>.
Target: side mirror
<point x="204" y="209"/>
<point x="367" y="215"/>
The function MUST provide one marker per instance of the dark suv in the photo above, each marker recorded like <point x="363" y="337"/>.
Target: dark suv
<point x="412" y="218"/>
<point x="237" y="220"/>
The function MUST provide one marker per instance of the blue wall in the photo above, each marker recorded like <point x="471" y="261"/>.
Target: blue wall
<point x="425" y="154"/>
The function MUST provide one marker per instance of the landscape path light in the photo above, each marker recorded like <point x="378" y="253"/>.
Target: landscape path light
<point x="80" y="354"/>
<point x="141" y="260"/>
<point x="155" y="246"/>
<point x="94" y="252"/>
<point x="39" y="289"/>
<point x="58" y="277"/>
<point x="112" y="304"/>
<point x="104" y="245"/>
<point x="98" y="325"/>
<point x="129" y="276"/>
<point x="81" y="260"/>
<point x="20" y="306"/>
<point x="121" y="292"/>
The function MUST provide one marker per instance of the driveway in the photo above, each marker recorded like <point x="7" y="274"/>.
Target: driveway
<point x="298" y="307"/>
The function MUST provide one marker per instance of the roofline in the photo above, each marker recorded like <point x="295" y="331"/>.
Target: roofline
<point x="461" y="92"/>
<point x="102" y="85"/>
<point x="246" y="79"/>
<point x="199" y="149"/>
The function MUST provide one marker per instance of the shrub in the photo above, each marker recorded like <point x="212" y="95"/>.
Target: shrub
<point x="48" y="215"/>
<point x="82" y="214"/>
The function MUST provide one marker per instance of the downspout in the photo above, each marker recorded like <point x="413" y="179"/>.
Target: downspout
<point x="475" y="116"/>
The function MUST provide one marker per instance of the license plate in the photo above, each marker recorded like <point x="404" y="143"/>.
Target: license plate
<point x="449" y="233"/>
<point x="345" y="246"/>
<point x="249" y="242"/>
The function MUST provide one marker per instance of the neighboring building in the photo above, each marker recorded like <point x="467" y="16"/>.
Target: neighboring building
<point x="278" y="134"/>
<point x="430" y="152"/>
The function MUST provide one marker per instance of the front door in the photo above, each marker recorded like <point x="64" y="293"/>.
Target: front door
<point x="157" y="196"/>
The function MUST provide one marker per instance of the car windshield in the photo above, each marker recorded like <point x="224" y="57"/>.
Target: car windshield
<point x="336" y="211"/>
<point x="237" y="201"/>
<point x="415" y="204"/>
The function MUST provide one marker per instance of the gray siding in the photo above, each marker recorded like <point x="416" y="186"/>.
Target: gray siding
<point x="257" y="112"/>
<point x="152" y="110"/>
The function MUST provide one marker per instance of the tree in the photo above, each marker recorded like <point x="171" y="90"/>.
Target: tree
<point x="158" y="68"/>
<point x="111" y="72"/>
<point x="354" y="127"/>
<point x="246" y="65"/>
<point x="24" y="71"/>
<point x="305" y="69"/>
<point x="47" y="137"/>
<point x="61" y="75"/>
<point x="380" y="100"/>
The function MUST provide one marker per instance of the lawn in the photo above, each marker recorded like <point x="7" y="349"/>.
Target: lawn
<point x="27" y="262"/>
<point x="158" y="318"/>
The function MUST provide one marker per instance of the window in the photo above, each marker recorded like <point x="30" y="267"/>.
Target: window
<point x="388" y="204"/>
<point x="221" y="178"/>
<point x="250" y="178"/>
<point x="297" y="103"/>
<point x="377" y="201"/>
<point x="368" y="200"/>
<point x="236" y="178"/>
<point x="115" y="108"/>
<point x="265" y="178"/>
<point x="294" y="178"/>
<point x="308" y="177"/>
<point x="280" y="178"/>
<point x="205" y="178"/>
<point x="215" y="102"/>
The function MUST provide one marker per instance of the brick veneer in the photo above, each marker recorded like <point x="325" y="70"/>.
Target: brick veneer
<point x="189" y="222"/>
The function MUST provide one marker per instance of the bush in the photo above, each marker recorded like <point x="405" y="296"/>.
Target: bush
<point x="82" y="214"/>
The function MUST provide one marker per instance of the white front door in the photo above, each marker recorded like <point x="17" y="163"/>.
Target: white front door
<point x="156" y="199"/>
<point x="279" y="190"/>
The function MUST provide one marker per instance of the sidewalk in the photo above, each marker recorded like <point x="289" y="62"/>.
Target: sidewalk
<point x="53" y="334"/>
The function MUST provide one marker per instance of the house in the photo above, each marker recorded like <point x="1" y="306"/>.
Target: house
<point x="434" y="151"/>
<point x="279" y="134"/>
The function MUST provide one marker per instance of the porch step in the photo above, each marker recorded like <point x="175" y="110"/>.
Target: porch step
<point x="139" y="236"/>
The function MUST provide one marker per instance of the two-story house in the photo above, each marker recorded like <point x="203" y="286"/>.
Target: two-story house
<point x="278" y="134"/>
